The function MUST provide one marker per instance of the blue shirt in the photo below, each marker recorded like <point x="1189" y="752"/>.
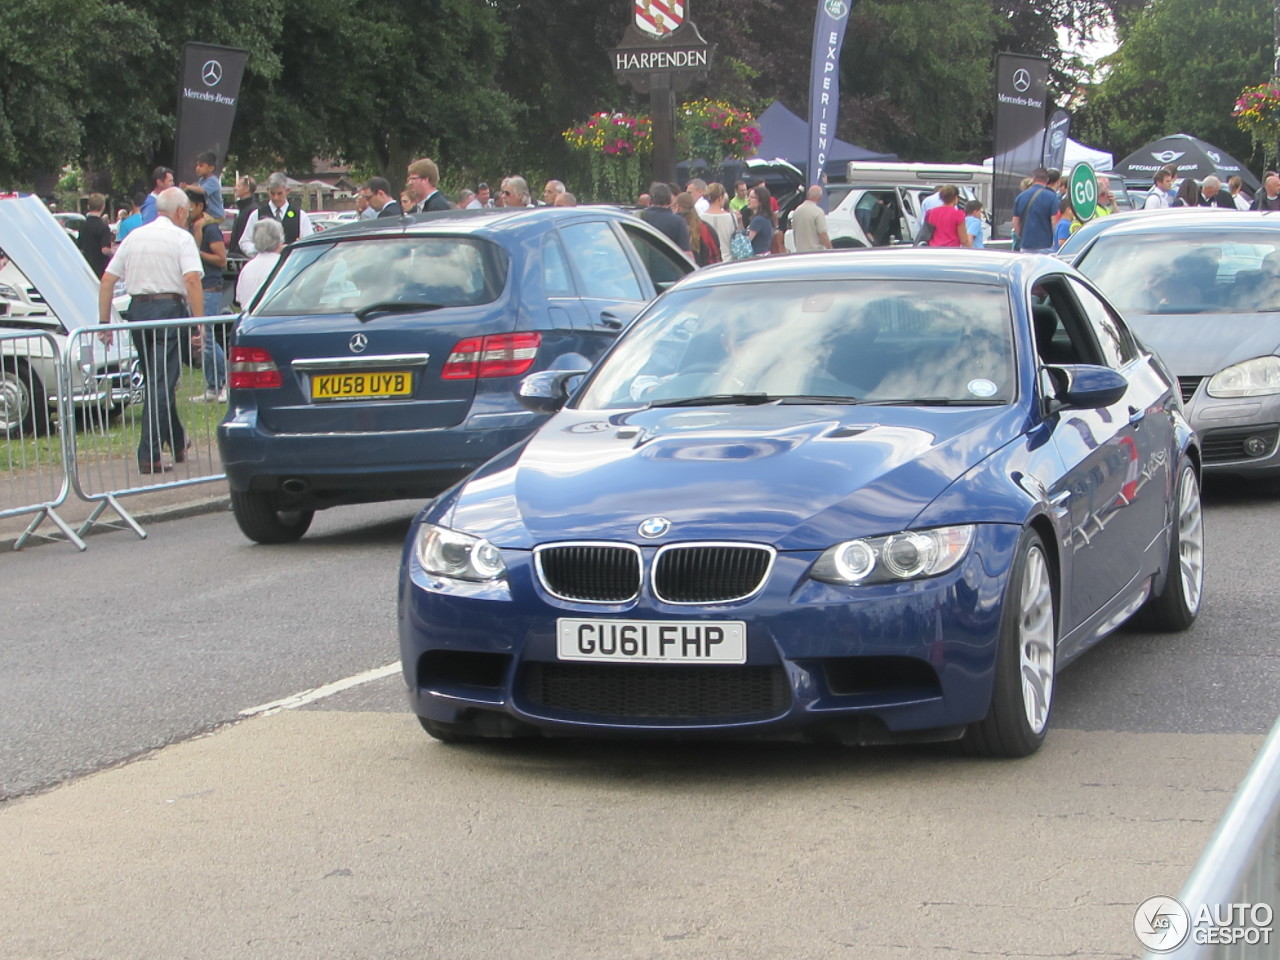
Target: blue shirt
<point x="212" y="187"/>
<point x="974" y="226"/>
<point x="129" y="223"/>
<point x="1061" y="232"/>
<point x="148" y="209"/>
<point x="1035" y="208"/>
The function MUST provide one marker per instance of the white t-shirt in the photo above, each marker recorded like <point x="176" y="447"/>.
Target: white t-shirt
<point x="253" y="275"/>
<point x="155" y="257"/>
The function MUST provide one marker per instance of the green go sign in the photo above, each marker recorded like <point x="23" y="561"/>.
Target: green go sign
<point x="1084" y="192"/>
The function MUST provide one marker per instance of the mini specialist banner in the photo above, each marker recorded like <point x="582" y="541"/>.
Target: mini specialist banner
<point x="208" y="89"/>
<point x="1021" y="83"/>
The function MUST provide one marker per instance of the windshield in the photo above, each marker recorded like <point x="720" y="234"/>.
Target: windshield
<point x="869" y="341"/>
<point x="353" y="275"/>
<point x="1188" y="271"/>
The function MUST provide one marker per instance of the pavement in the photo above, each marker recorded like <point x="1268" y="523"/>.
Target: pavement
<point x="146" y="507"/>
<point x="342" y="833"/>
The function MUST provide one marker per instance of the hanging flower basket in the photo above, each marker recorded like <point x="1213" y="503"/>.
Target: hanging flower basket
<point x="613" y="144"/>
<point x="712" y="130"/>
<point x="1257" y="113"/>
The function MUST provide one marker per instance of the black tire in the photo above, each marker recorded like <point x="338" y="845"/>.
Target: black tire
<point x="24" y="404"/>
<point x="1025" y="660"/>
<point x="1177" y="605"/>
<point x="447" y="733"/>
<point x="262" y="521"/>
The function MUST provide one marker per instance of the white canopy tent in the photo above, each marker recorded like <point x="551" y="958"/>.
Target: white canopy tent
<point x="1077" y="152"/>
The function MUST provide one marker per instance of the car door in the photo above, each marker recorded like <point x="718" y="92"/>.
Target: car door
<point x="1108" y="451"/>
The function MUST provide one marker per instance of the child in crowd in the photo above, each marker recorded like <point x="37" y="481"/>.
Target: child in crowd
<point x="1066" y="218"/>
<point x="973" y="222"/>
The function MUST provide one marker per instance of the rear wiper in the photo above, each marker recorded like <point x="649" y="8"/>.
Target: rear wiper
<point x="365" y="314"/>
<point x="713" y="399"/>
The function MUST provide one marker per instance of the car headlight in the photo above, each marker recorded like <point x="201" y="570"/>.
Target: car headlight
<point x="448" y="553"/>
<point x="910" y="555"/>
<point x="1251" y="378"/>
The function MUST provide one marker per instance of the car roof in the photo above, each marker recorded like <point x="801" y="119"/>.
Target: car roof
<point x="997" y="267"/>
<point x="497" y="222"/>
<point x="1163" y="221"/>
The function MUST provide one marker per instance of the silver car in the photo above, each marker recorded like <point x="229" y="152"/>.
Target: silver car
<point x="47" y="287"/>
<point x="1202" y="288"/>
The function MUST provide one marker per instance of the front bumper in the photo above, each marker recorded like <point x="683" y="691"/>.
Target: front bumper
<point x="866" y="664"/>
<point x="1237" y="435"/>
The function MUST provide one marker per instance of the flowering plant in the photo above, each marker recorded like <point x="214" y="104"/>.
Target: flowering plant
<point x="612" y="143"/>
<point x="714" y="129"/>
<point x="1257" y="113"/>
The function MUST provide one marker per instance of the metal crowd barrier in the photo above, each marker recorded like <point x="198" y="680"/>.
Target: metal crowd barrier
<point x="100" y="405"/>
<point x="1241" y="864"/>
<point x="32" y="375"/>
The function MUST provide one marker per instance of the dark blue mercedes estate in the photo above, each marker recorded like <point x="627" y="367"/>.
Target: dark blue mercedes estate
<point x="867" y="497"/>
<point x="381" y="360"/>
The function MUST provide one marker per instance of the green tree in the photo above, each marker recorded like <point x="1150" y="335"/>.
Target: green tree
<point x="1179" y="69"/>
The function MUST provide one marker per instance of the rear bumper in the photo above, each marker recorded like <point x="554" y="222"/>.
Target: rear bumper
<point x="313" y="471"/>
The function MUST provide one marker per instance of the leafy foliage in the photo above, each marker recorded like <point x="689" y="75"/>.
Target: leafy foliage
<point x="1180" y="69"/>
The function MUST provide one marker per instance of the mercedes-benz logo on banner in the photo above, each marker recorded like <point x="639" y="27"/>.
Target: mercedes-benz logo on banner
<point x="1021" y="80"/>
<point x="358" y="343"/>
<point x="211" y="73"/>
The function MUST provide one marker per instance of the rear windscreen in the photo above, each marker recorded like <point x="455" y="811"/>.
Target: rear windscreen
<point x="348" y="276"/>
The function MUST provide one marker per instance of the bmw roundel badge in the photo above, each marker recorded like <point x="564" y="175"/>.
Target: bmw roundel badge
<point x="654" y="527"/>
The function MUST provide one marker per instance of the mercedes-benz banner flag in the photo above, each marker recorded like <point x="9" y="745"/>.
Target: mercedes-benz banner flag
<point x="1055" y="140"/>
<point x="208" y="90"/>
<point x="1021" y="83"/>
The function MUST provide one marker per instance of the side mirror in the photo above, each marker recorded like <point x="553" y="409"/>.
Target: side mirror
<point x="547" y="390"/>
<point x="1081" y="386"/>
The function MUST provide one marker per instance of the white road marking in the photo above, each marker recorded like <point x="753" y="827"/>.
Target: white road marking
<point x="319" y="693"/>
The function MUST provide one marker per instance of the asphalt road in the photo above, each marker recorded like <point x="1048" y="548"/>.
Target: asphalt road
<point x="340" y="829"/>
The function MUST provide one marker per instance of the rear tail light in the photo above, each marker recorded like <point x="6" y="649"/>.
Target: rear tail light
<point x="252" y="369"/>
<point x="500" y="355"/>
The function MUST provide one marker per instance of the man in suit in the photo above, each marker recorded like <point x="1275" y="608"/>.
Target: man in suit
<point x="1268" y="197"/>
<point x="423" y="177"/>
<point x="294" y="220"/>
<point x="378" y="192"/>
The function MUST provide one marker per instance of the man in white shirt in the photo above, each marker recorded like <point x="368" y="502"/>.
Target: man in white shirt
<point x="1158" y="195"/>
<point x="160" y="265"/>
<point x="291" y="217"/>
<point x="699" y="189"/>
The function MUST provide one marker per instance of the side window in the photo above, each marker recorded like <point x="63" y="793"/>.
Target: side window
<point x="1061" y="334"/>
<point x="664" y="267"/>
<point x="556" y="280"/>
<point x="1117" y="346"/>
<point x="601" y="263"/>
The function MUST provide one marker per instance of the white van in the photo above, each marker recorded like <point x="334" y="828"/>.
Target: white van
<point x="880" y="203"/>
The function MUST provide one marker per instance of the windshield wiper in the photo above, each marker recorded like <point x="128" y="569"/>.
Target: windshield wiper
<point x="365" y="314"/>
<point x="713" y="399"/>
<point x="939" y="402"/>
<point x="800" y="398"/>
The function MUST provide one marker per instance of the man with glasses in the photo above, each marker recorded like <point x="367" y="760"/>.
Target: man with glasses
<point x="515" y="192"/>
<point x="377" y="190"/>
<point x="423" y="177"/>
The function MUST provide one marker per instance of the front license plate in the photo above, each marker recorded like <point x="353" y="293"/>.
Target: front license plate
<point x="652" y="641"/>
<point x="357" y="386"/>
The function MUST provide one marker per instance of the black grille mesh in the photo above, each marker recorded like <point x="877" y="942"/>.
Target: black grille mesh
<point x="1224" y="446"/>
<point x="709" y="574"/>
<point x="1188" y="386"/>
<point x="599" y="573"/>
<point x="658" y="692"/>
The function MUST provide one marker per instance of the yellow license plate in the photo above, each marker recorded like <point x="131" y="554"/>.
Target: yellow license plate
<point x="355" y="386"/>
